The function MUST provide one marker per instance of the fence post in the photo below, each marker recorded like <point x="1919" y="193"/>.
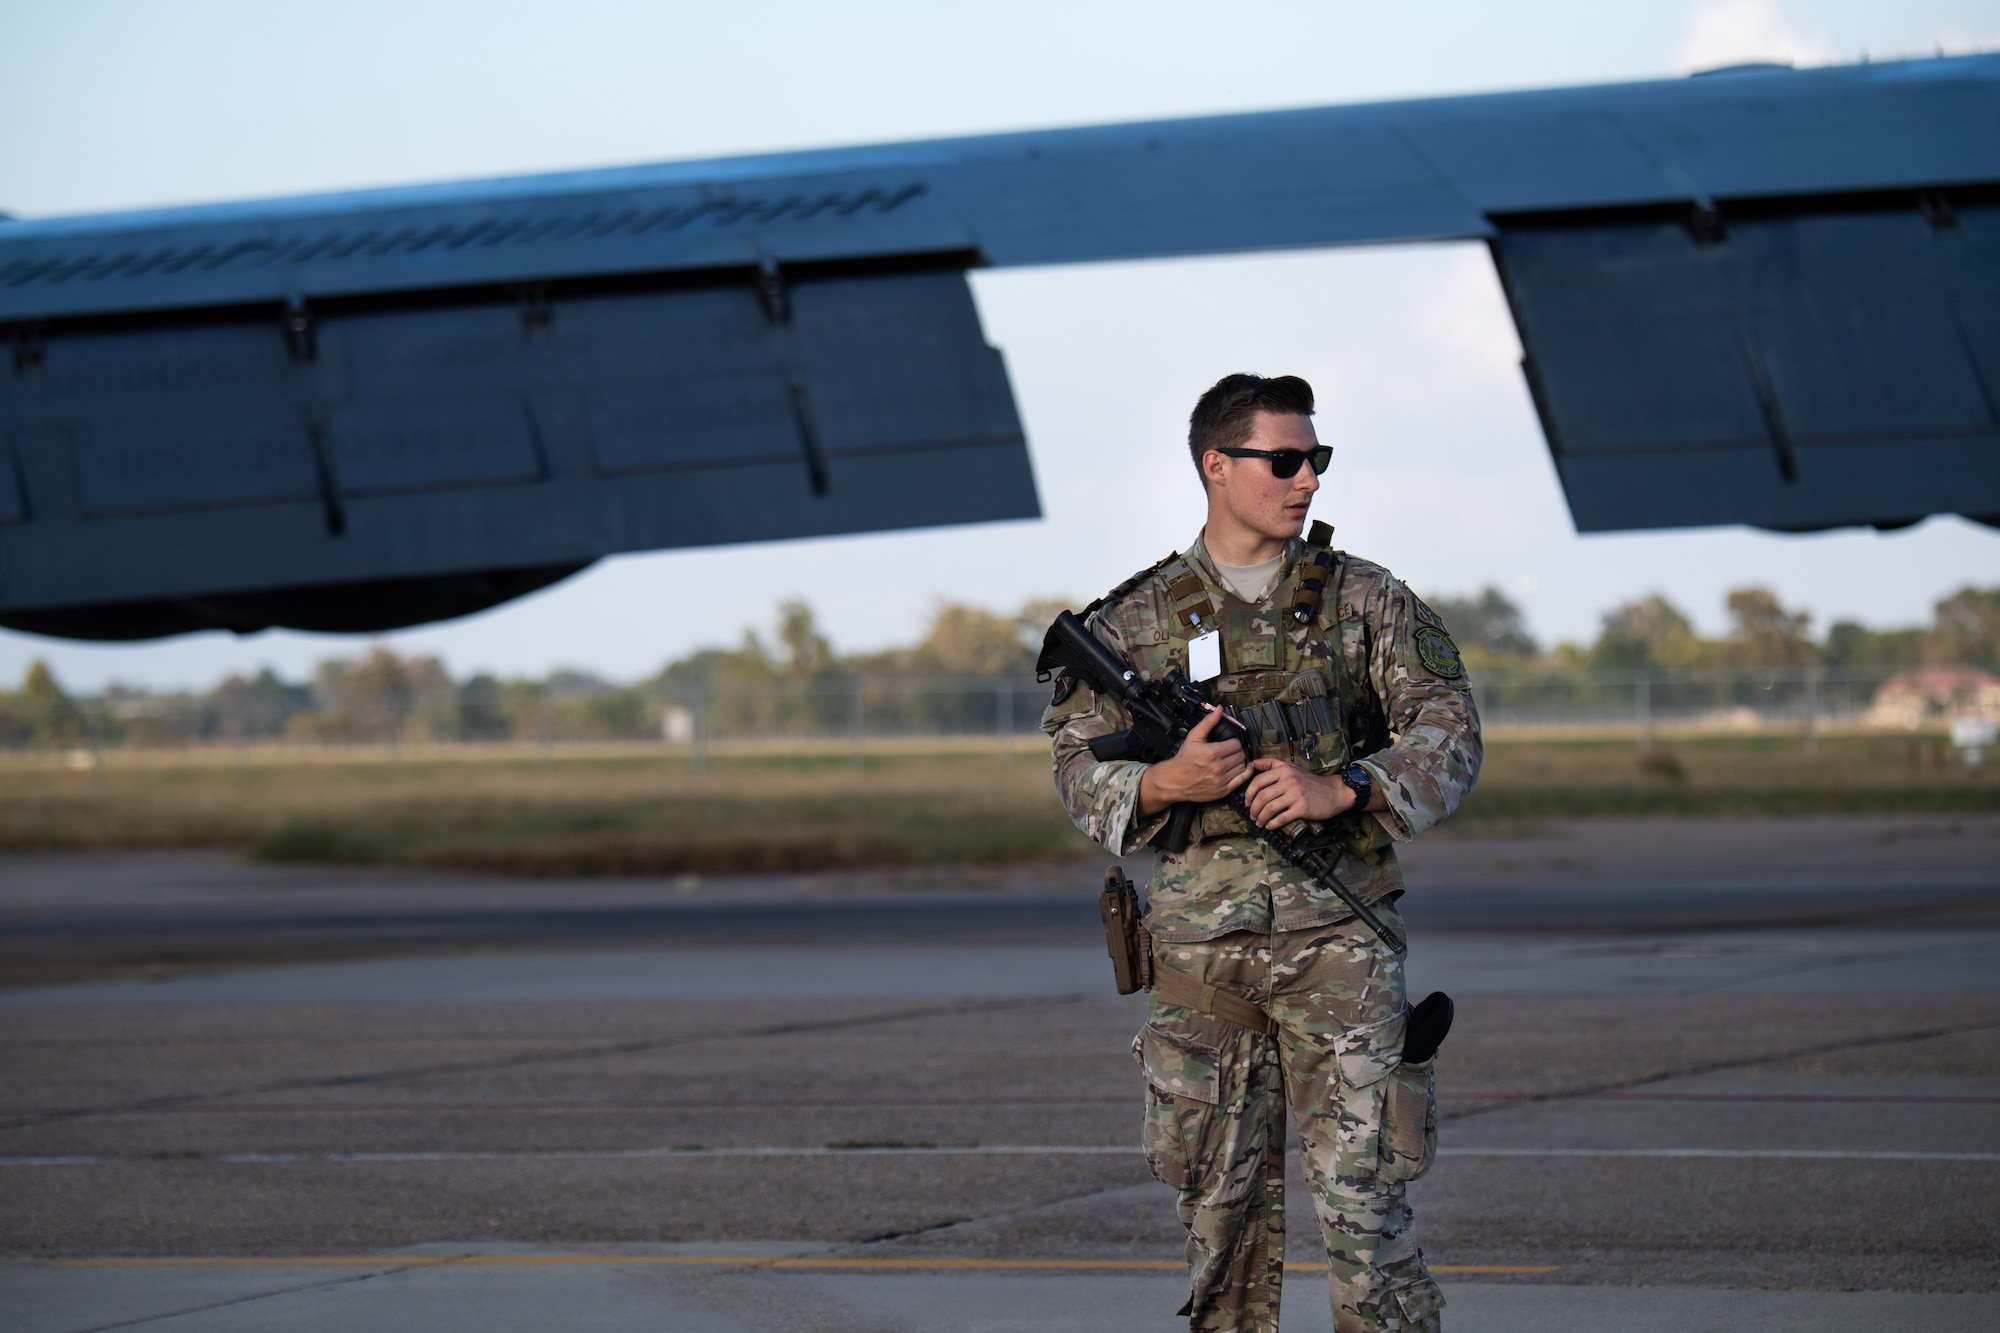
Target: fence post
<point x="857" y="722"/>
<point x="236" y="724"/>
<point x="1642" y="689"/>
<point x="698" y="746"/>
<point x="1812" y="710"/>
<point x="97" y="744"/>
<point x="1003" y="718"/>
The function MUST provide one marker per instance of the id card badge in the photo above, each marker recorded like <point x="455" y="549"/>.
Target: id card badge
<point x="1205" y="656"/>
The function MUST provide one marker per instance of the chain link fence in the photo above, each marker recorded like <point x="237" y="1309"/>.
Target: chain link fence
<point x="851" y="713"/>
<point x="832" y="712"/>
<point x="1807" y="700"/>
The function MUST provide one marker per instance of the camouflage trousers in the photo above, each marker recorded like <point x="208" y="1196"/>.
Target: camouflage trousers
<point x="1215" y="1125"/>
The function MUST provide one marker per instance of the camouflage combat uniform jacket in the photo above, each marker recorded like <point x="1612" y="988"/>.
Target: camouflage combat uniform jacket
<point x="1372" y="676"/>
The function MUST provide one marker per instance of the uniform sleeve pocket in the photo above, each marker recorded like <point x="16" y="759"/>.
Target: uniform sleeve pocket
<point x="1183" y="1084"/>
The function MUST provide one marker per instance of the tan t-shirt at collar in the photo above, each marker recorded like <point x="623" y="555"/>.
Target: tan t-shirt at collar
<point x="1253" y="583"/>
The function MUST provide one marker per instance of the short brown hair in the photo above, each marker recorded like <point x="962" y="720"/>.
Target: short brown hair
<point x="1225" y="415"/>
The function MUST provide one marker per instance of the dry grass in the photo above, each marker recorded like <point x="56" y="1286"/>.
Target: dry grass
<point x="1747" y="775"/>
<point x="625" y="812"/>
<point x="573" y="816"/>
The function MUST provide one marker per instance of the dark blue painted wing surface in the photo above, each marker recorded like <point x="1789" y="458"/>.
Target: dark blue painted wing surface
<point x="1797" y="372"/>
<point x="1760" y="297"/>
<point x="426" y="461"/>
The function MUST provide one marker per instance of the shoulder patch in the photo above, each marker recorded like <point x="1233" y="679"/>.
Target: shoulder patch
<point x="1438" y="653"/>
<point x="1065" y="686"/>
<point x="1426" y="616"/>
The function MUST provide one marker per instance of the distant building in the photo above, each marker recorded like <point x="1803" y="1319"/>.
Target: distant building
<point x="1935" y="694"/>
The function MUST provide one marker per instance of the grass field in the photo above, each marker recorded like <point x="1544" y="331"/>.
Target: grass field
<point x="609" y="812"/>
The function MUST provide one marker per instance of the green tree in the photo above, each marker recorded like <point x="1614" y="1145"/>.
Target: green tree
<point x="380" y="695"/>
<point x="1763" y="633"/>
<point x="972" y="641"/>
<point x="1037" y="614"/>
<point x="51" y="715"/>
<point x="789" y="687"/>
<point x="259" y="705"/>
<point x="1488" y="627"/>
<point x="482" y="710"/>
<point x="808" y="653"/>
<point x="1851" y="644"/>
<point x="1649" y="632"/>
<point x="1966" y="630"/>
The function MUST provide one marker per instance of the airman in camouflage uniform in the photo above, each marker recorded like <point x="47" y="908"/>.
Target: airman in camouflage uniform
<point x="1371" y="679"/>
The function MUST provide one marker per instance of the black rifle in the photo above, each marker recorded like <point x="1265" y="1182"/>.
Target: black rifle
<point x="1163" y="712"/>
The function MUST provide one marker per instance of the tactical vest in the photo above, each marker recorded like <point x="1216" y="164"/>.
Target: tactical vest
<point x="1284" y="672"/>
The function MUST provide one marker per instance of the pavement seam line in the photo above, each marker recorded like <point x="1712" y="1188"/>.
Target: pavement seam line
<point x="1025" y="1210"/>
<point x="968" y="1150"/>
<point x="379" y="1270"/>
<point x="522" y="1061"/>
<point x="1720" y="1066"/>
<point x="900" y="1103"/>
<point x="1847" y="959"/>
<point x="385" y="1265"/>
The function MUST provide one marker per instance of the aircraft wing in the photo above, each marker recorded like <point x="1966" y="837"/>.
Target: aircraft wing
<point x="1762" y="296"/>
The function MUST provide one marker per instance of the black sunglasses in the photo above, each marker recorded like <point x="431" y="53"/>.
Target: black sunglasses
<point x="1285" y="462"/>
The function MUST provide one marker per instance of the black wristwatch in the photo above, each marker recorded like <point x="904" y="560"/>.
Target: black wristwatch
<point x="1361" y="783"/>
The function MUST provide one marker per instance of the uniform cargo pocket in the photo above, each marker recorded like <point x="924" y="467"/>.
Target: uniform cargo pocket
<point x="1371" y="1061"/>
<point x="1367" y="1054"/>
<point x="1421" y="1305"/>
<point x="1409" y="1122"/>
<point x="1183" y="1085"/>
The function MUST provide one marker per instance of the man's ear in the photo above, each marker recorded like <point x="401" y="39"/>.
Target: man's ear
<point x="1214" y="467"/>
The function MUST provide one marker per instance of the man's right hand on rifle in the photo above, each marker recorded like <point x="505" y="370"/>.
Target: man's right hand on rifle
<point x="1202" y="770"/>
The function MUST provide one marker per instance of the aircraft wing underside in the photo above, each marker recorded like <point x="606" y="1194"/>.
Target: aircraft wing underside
<point x="1767" y="297"/>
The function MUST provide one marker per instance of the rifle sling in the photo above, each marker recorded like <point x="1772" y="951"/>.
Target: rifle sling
<point x="1177" y="987"/>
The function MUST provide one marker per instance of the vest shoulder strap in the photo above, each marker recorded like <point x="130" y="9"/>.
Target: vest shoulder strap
<point x="1119" y="592"/>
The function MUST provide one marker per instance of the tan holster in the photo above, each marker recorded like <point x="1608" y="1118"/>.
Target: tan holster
<point x="1134" y="967"/>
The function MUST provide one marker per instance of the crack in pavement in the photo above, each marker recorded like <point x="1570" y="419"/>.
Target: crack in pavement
<point x="1719" y="1066"/>
<point x="633" y="1047"/>
<point x="250" y="1299"/>
<point x="1067" y="1201"/>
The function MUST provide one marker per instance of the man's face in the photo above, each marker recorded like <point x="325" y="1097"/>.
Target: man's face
<point x="1270" y="506"/>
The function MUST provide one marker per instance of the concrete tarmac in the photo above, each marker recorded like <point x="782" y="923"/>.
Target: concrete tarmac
<point x="932" y="1124"/>
<point x="1795" y="961"/>
<point x="533" y="1292"/>
<point x="70" y="916"/>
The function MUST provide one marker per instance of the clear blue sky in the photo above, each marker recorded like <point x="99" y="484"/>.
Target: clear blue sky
<point x="1441" y="472"/>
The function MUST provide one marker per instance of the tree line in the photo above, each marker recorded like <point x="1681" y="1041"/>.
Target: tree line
<point x="793" y="678"/>
<point x="1651" y="632"/>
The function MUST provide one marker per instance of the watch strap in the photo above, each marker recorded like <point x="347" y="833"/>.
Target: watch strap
<point x="1362" y="783"/>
